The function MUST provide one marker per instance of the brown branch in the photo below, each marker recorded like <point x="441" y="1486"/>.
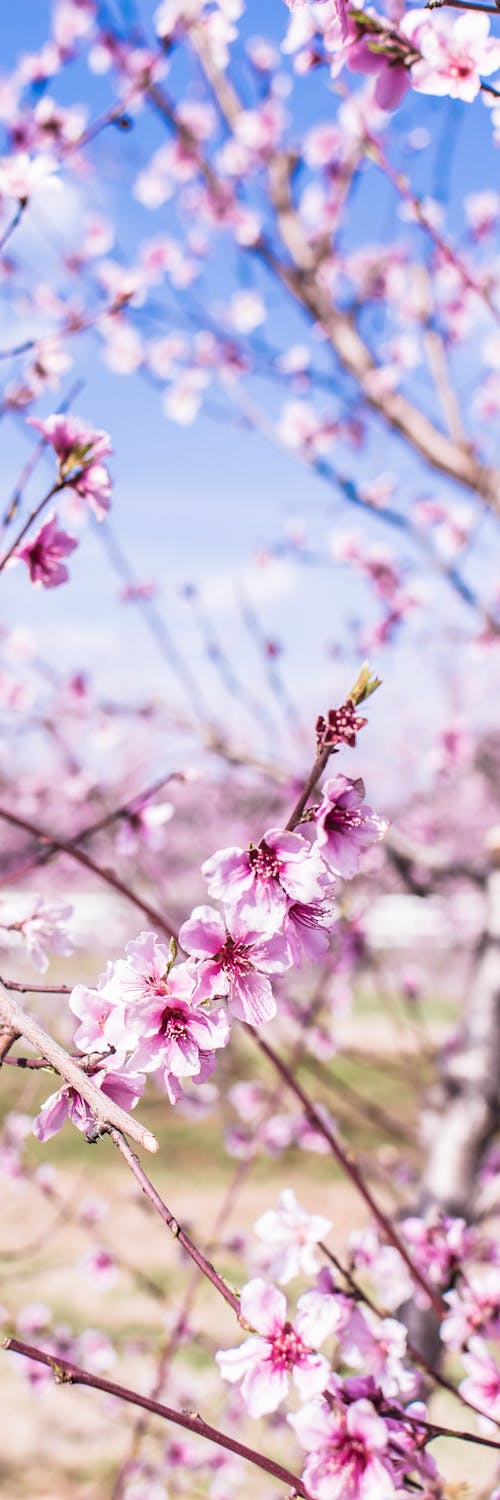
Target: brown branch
<point x="36" y="989"/>
<point x="168" y="1218"/>
<point x="106" y="1113"/>
<point x="68" y="1374"/>
<point x="319" y="766"/>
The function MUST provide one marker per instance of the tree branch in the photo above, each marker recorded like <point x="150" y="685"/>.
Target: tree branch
<point x="106" y="1113"/>
<point x="68" y="1374"/>
<point x="67" y="847"/>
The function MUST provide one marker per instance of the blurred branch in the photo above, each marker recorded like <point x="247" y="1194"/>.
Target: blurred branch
<point x="406" y="854"/>
<point x="64" y="846"/>
<point x="301" y="279"/>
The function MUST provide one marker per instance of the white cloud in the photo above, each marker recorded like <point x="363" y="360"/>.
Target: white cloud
<point x="267" y="583"/>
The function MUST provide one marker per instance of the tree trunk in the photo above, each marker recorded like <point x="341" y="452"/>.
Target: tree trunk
<point x="462" y="1112"/>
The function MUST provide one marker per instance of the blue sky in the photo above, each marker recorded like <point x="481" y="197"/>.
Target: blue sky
<point x="197" y="505"/>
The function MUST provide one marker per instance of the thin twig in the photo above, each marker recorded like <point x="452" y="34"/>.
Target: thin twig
<point x="55" y="489"/>
<point x="349" y="1165"/>
<point x="66" y="847"/>
<point x="169" y="1219"/>
<point x="22" y="205"/>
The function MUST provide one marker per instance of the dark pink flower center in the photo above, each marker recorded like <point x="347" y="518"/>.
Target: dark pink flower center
<point x="462" y="67"/>
<point x="309" y="914"/>
<point x="348" y="1454"/>
<point x="38" y="555"/>
<point x="264" y="862"/>
<point x="341" y="725"/>
<point x="342" y="819"/>
<point x="287" y="1348"/>
<point x="234" y="958"/>
<point x="174" y="1025"/>
<point x="156" y="985"/>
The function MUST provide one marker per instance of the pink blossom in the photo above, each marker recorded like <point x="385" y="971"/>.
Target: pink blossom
<point x="100" y="1267"/>
<point x="455" y="53"/>
<point x="262" y="1365"/>
<point x="260" y="882"/>
<point x="247" y="311"/>
<point x="392" y="77"/>
<point x="262" y="54"/>
<point x="144" y="823"/>
<point x="482" y="211"/>
<point x="179" y="1041"/>
<point x="249" y="1099"/>
<point x="66" y="1104"/>
<point x="303" y="430"/>
<point x="49" y="363"/>
<point x="182" y="400"/>
<point x="233" y="961"/>
<point x="72" y="20"/>
<point x="387" y="1269"/>
<point x="142" y="976"/>
<point x="44" y="552"/>
<point x="345" y="827"/>
<point x="307" y="927"/>
<point x="292" y="1235"/>
<point x="99" y="235"/>
<point x="482" y="1383"/>
<point x="348" y="1458"/>
<point x="80" y="450"/>
<point x="94" y="1349"/>
<point x="123" y="349"/>
<point x="94" y="485"/>
<point x="474" y="1308"/>
<point x="157" y="1017"/>
<point x="93" y="1008"/>
<point x="42" y="925"/>
<point x="259" y="130"/>
<point x="377" y="1347"/>
<point x="438" y="1243"/>
<point x="277" y="1133"/>
<point x="21" y="175"/>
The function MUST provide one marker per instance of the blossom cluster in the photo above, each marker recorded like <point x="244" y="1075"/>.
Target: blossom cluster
<point x="79" y="450"/>
<point x="150" y="1014"/>
<point x="360" y="1430"/>
<point x="439" y="55"/>
<point x="39" y="926"/>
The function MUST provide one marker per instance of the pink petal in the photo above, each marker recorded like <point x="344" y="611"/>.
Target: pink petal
<point x="264" y="1388"/>
<point x="263" y="1306"/>
<point x="311" y="1376"/>
<point x="363" y="1422"/>
<point x="234" y="1364"/>
<point x="204" y="933"/>
<point x="251" y="999"/>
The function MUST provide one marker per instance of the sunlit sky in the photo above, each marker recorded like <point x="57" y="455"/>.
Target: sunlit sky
<point x="199" y="504"/>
